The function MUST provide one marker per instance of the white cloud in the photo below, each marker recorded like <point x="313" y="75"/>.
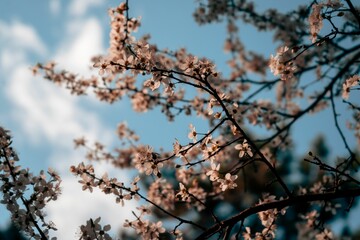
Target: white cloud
<point x="83" y="41"/>
<point x="42" y="109"/>
<point x="80" y="7"/>
<point x="55" y="6"/>
<point x="45" y="111"/>
<point x="10" y="58"/>
<point x="17" y="39"/>
<point x="19" y="35"/>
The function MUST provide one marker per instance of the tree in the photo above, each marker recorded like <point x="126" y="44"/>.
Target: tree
<point x="225" y="183"/>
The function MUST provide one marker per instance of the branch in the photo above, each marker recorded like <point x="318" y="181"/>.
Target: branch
<point x="181" y="220"/>
<point x="335" y="115"/>
<point x="354" y="11"/>
<point x="280" y="204"/>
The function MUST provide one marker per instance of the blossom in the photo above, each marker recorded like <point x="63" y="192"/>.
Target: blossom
<point x="87" y="182"/>
<point x="162" y="193"/>
<point x="325" y="235"/>
<point x="311" y="218"/>
<point x="178" y="234"/>
<point x="350" y="82"/>
<point x="144" y="210"/>
<point x="104" y="66"/>
<point x="213" y="102"/>
<point x="145" y="228"/>
<point x="140" y="101"/>
<point x="122" y="197"/>
<point x="152" y="167"/>
<point x="183" y="193"/>
<point x="316" y="18"/>
<point x="192" y="134"/>
<point x="184" y="174"/>
<point x="228" y="182"/>
<point x="79" y="142"/>
<point x="247" y="234"/>
<point x="281" y="64"/>
<point x="189" y="64"/>
<point x="177" y="148"/>
<point x="93" y="230"/>
<point x="244" y="148"/>
<point x="152" y="83"/>
<point x="315" y="21"/>
<point x="214" y="172"/>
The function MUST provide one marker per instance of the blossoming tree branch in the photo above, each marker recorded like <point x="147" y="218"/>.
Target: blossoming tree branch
<point x="226" y="182"/>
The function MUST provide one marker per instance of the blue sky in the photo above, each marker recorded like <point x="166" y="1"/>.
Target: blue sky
<point x="44" y="119"/>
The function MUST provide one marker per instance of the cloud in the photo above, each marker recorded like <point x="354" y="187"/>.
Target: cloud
<point x="45" y="111"/>
<point x="55" y="6"/>
<point x="42" y="109"/>
<point x="19" y="35"/>
<point x="80" y="7"/>
<point x="83" y="41"/>
<point x="10" y="58"/>
<point x="17" y="40"/>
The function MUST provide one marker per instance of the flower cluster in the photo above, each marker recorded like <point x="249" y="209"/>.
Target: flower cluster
<point x="26" y="212"/>
<point x="326" y="234"/>
<point x="244" y="148"/>
<point x="282" y="65"/>
<point x="228" y="182"/>
<point x="93" y="230"/>
<point x="162" y="193"/>
<point x="105" y="184"/>
<point x="120" y="38"/>
<point x="192" y="134"/>
<point x="125" y="133"/>
<point x="145" y="228"/>
<point x="350" y="82"/>
<point x="316" y="16"/>
<point x="268" y="219"/>
<point x="146" y="161"/>
<point x="315" y="21"/>
<point x="214" y="172"/>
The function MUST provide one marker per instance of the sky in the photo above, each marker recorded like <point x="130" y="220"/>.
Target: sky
<point x="44" y="118"/>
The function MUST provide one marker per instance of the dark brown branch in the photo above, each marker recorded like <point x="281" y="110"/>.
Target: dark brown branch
<point x="280" y="204"/>
<point x="354" y="11"/>
<point x="335" y="115"/>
